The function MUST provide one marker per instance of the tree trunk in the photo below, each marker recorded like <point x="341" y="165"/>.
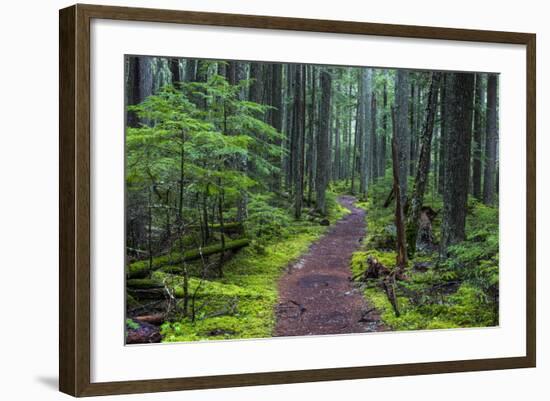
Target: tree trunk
<point x="373" y="142"/>
<point x="336" y="159"/>
<point x="288" y="161"/>
<point x="402" y="129"/>
<point x="490" y="141"/>
<point x="140" y="74"/>
<point x="442" y="136"/>
<point x="401" y="258"/>
<point x="476" y="171"/>
<point x="383" y="138"/>
<point x="421" y="181"/>
<point x="323" y="150"/>
<point x="357" y="148"/>
<point x="310" y="160"/>
<point x="364" y="161"/>
<point x="255" y="89"/>
<point x="349" y="161"/>
<point x="190" y="70"/>
<point x="460" y="90"/>
<point x="276" y="117"/>
<point x="299" y="131"/>
<point x="412" y="125"/>
<point x="175" y="70"/>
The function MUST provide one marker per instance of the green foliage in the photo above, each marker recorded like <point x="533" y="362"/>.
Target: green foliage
<point x="359" y="259"/>
<point x="247" y="293"/>
<point x="461" y="291"/>
<point x="131" y="325"/>
<point x="265" y="221"/>
<point x="250" y="286"/>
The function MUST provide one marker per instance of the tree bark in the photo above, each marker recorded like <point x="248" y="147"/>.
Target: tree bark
<point x="323" y="150"/>
<point x="276" y="117"/>
<point x="255" y="89"/>
<point x="310" y="159"/>
<point x="190" y="70"/>
<point x="421" y="181"/>
<point x="460" y="90"/>
<point x="287" y="158"/>
<point x="383" y="138"/>
<point x="364" y="161"/>
<point x="336" y="158"/>
<point x="490" y="141"/>
<point x="477" y="163"/>
<point x="299" y="131"/>
<point x="401" y="245"/>
<point x="402" y="129"/>
<point x="175" y="70"/>
<point x="443" y="136"/>
<point x="373" y="141"/>
<point x="140" y="79"/>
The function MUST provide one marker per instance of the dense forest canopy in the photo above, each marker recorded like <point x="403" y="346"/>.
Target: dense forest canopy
<point x="226" y="155"/>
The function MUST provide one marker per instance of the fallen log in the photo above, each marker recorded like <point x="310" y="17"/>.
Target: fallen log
<point x="148" y="294"/>
<point x="143" y="284"/>
<point x="228" y="228"/>
<point x="142" y="269"/>
<point x="156" y="319"/>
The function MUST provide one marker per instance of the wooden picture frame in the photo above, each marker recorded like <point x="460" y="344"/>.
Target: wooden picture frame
<point x="74" y="204"/>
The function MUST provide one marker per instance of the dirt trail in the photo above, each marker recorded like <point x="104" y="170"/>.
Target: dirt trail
<point x="316" y="296"/>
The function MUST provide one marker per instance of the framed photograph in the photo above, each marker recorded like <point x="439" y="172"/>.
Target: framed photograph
<point x="249" y="200"/>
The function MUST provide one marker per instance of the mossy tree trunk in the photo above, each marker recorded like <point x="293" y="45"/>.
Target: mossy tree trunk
<point x="421" y="181"/>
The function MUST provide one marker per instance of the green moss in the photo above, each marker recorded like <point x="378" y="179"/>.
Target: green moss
<point x="131" y="302"/>
<point x="141" y="269"/>
<point x="143" y="283"/>
<point x="249" y="284"/>
<point x="359" y="260"/>
<point x="171" y="269"/>
<point x="131" y="325"/>
<point x="452" y="293"/>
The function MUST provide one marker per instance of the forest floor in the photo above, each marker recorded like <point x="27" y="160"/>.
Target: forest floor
<point x="317" y="295"/>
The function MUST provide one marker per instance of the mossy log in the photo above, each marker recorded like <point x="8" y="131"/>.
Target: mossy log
<point x="141" y="269"/>
<point x="171" y="270"/>
<point x="228" y="228"/>
<point x="148" y="294"/>
<point x="143" y="284"/>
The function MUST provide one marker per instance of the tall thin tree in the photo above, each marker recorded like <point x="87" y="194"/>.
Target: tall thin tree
<point x="491" y="140"/>
<point x="323" y="151"/>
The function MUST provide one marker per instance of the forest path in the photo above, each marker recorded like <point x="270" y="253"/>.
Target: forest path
<point x="316" y="295"/>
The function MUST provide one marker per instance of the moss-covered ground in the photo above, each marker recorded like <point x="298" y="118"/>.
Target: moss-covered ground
<point x="241" y="303"/>
<point x="461" y="291"/>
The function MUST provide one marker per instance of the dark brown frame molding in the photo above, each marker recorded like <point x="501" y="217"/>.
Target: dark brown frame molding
<point x="74" y="202"/>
